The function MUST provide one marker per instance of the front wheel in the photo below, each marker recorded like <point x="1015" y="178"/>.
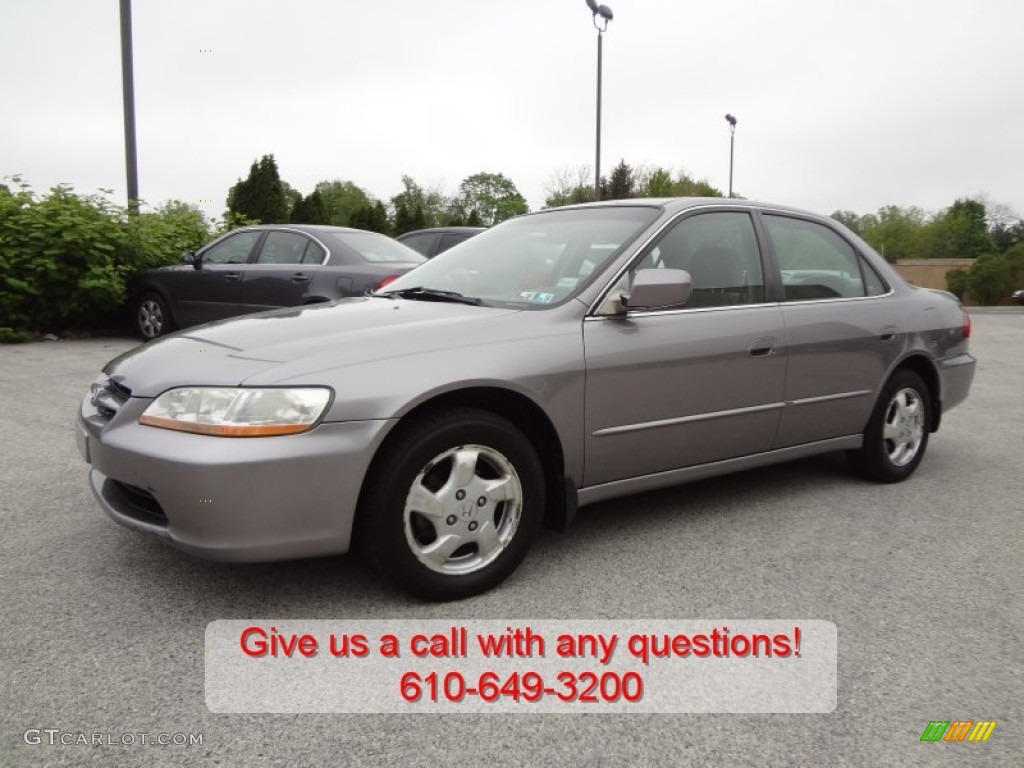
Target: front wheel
<point x="453" y="504"/>
<point x="897" y="435"/>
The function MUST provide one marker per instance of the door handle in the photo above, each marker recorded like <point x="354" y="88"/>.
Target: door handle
<point x="299" y="277"/>
<point x="763" y="347"/>
<point x="888" y="333"/>
<point x="231" y="277"/>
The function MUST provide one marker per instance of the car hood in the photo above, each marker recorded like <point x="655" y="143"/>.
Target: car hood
<point x="283" y="345"/>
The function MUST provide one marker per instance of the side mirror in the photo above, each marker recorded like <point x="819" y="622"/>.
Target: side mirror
<point x="658" y="289"/>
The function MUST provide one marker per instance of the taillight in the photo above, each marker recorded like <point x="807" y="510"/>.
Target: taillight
<point x="967" y="323"/>
<point x="385" y="281"/>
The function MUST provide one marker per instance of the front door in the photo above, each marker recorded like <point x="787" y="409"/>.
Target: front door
<point x="689" y="385"/>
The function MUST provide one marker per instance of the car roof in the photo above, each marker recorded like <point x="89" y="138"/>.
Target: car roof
<point x="676" y="204"/>
<point x="311" y="229"/>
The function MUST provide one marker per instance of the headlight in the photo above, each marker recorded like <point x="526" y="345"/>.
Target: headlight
<point x="237" y="412"/>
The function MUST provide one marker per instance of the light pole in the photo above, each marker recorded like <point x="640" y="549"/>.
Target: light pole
<point x="605" y="14"/>
<point x="128" y="89"/>
<point x="732" y="142"/>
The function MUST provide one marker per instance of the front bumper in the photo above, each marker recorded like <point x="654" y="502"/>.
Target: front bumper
<point x="235" y="499"/>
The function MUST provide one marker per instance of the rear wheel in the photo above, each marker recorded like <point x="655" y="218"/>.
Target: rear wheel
<point x="453" y="504"/>
<point x="152" y="318"/>
<point x="897" y="435"/>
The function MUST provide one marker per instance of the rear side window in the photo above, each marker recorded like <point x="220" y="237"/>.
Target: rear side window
<point x="452" y="239"/>
<point x="420" y="243"/>
<point x="283" y="248"/>
<point x="376" y="248"/>
<point x="816" y="262"/>
<point x="314" y="254"/>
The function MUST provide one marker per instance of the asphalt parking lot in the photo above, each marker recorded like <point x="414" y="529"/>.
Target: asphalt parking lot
<point x="103" y="628"/>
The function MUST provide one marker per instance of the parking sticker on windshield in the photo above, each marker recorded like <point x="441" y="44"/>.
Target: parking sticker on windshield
<point x="537" y="296"/>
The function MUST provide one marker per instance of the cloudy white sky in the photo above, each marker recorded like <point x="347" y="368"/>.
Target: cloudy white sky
<point x="850" y="104"/>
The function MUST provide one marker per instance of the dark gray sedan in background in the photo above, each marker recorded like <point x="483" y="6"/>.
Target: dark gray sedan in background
<point x="265" y="267"/>
<point x="557" y="359"/>
<point x="430" y="242"/>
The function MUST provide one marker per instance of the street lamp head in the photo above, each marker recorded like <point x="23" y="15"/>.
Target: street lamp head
<point x="602" y="11"/>
<point x="731" y="120"/>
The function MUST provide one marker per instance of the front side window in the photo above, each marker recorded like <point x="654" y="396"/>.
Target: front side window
<point x="233" y="249"/>
<point x="720" y="252"/>
<point x="816" y="262"/>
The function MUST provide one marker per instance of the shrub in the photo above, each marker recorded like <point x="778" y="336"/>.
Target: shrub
<point x="65" y="258"/>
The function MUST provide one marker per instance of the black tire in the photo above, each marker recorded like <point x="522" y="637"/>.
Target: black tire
<point x="152" y="317"/>
<point x="904" y="409"/>
<point x="492" y="537"/>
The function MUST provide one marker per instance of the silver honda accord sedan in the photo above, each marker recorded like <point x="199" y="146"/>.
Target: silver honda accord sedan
<point x="558" y="359"/>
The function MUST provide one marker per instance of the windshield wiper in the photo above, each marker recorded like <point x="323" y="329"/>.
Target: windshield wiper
<point x="419" y="293"/>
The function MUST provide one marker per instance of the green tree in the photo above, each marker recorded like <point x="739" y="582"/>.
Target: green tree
<point x="658" y="183"/>
<point x="959" y="282"/>
<point x="620" y="184"/>
<point x="897" y="233"/>
<point x="492" y="196"/>
<point x="569" y="186"/>
<point x="687" y="186"/>
<point x="309" y="210"/>
<point x="431" y="204"/>
<point x="991" y="278"/>
<point x="373" y="217"/>
<point x="298" y="213"/>
<point x="341" y="199"/>
<point x="291" y="197"/>
<point x="960" y="232"/>
<point x="261" y="196"/>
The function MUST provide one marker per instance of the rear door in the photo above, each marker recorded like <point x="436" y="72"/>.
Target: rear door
<point x="281" y="275"/>
<point x="842" y="331"/>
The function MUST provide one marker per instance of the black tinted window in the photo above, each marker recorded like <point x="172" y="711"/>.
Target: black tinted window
<point x="447" y="241"/>
<point x="419" y="243"/>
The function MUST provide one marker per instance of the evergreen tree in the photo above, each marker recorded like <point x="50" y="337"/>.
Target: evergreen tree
<point x="261" y="196"/>
<point x="620" y="185"/>
<point x="299" y="213"/>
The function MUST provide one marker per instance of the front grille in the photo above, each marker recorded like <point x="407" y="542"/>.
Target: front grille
<point x="135" y="502"/>
<point x="119" y="389"/>
<point x="108" y="398"/>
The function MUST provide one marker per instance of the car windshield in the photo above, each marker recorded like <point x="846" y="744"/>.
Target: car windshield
<point x="376" y="248"/>
<point x="536" y="261"/>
